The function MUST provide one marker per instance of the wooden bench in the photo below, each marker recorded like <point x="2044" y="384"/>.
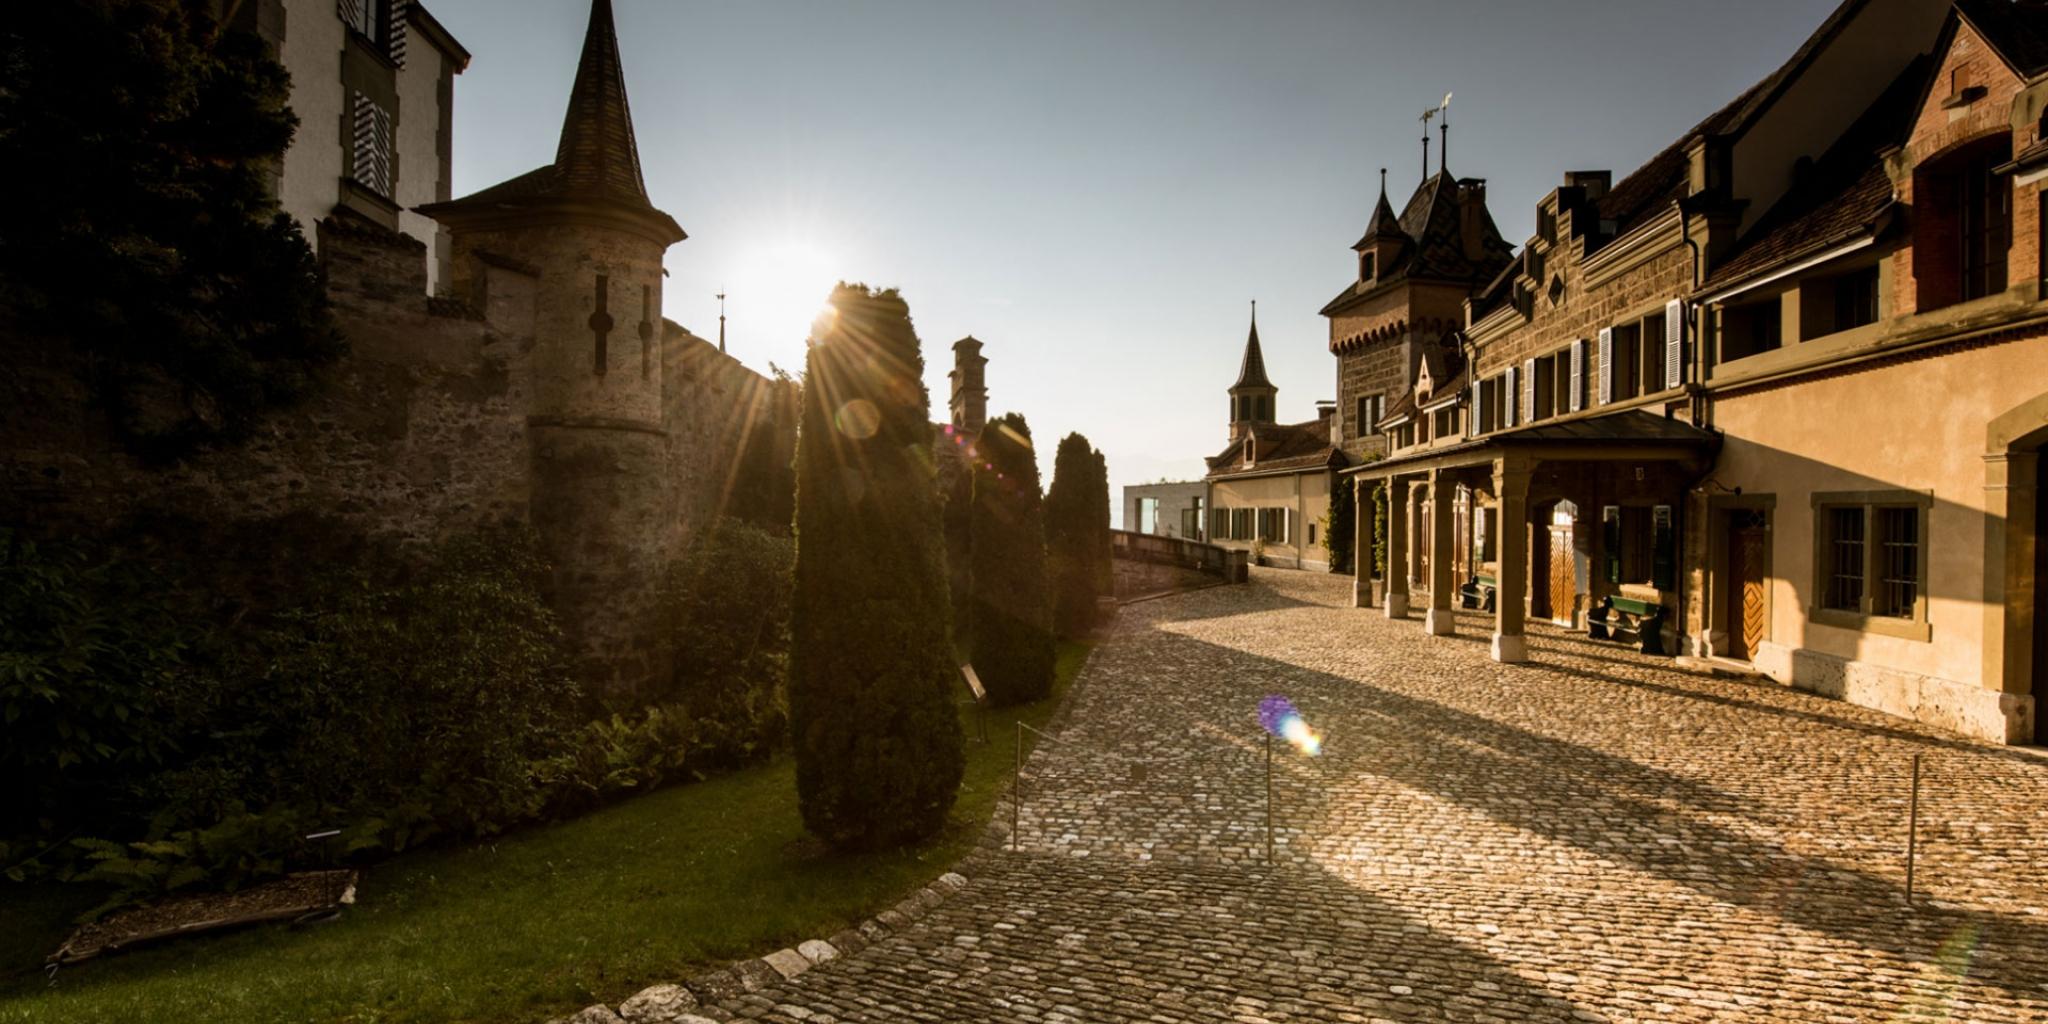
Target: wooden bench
<point x="1621" y="618"/>
<point x="1477" y="593"/>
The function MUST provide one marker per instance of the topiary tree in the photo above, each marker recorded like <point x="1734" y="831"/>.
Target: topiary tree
<point x="155" y="251"/>
<point x="1105" y="574"/>
<point x="1012" y="646"/>
<point x="1337" y="526"/>
<point x="872" y="680"/>
<point x="1071" y="536"/>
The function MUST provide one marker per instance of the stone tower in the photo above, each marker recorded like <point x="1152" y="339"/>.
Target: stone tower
<point x="1251" y="398"/>
<point x="970" y="388"/>
<point x="580" y="241"/>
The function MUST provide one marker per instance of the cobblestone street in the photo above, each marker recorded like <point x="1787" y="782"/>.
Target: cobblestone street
<point x="1594" y="836"/>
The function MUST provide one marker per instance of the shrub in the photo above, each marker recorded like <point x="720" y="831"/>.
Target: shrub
<point x="1071" y="535"/>
<point x="1337" y="527"/>
<point x="872" y="684"/>
<point x="727" y="611"/>
<point x="1013" y="643"/>
<point x="1379" y="532"/>
<point x="1103" y="548"/>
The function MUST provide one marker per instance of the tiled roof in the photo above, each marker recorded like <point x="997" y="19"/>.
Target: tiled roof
<point x="1649" y="189"/>
<point x="1436" y="249"/>
<point x="596" y="158"/>
<point x="1252" y="372"/>
<point x="1383" y="225"/>
<point x="1281" y="446"/>
<point x="2017" y="29"/>
<point x="1843" y="195"/>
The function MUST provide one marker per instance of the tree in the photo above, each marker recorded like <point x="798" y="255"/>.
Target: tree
<point x="1012" y="644"/>
<point x="1105" y="574"/>
<point x="1071" y="536"/>
<point x="150" y="244"/>
<point x="872" y="682"/>
<point x="1337" y="526"/>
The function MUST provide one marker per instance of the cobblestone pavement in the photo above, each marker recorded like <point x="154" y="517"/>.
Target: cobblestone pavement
<point x="1594" y="836"/>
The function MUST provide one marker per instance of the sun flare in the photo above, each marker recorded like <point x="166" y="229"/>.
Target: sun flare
<point x="777" y="290"/>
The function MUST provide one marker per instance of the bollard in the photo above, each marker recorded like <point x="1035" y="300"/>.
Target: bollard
<point x="1912" y="828"/>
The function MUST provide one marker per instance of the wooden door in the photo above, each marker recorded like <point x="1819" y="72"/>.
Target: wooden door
<point x="1539" y="573"/>
<point x="1564" y="579"/>
<point x="1748" y="555"/>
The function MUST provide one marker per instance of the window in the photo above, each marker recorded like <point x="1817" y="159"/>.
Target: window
<point x="1367" y="266"/>
<point x="1191" y="521"/>
<point x="1446" y="421"/>
<point x="1626" y="347"/>
<point x="1870" y="557"/>
<point x="1241" y="524"/>
<point x="1273" y="525"/>
<point x="1855" y="295"/>
<point x="1962" y="224"/>
<point x="1311" y="534"/>
<point x="380" y="22"/>
<point x="1985" y="227"/>
<point x="1148" y="515"/>
<point x="1640" y="544"/>
<point x="1751" y="329"/>
<point x="1544" y="393"/>
<point x="1367" y="418"/>
<point x="1650" y="355"/>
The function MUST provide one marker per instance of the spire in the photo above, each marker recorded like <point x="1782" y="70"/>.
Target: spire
<point x="597" y="154"/>
<point x="721" y="320"/>
<point x="1253" y="373"/>
<point x="1384" y="225"/>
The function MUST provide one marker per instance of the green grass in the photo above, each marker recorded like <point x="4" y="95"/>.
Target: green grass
<point x="535" y="924"/>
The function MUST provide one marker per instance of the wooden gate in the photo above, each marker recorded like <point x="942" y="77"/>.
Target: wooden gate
<point x="1748" y="567"/>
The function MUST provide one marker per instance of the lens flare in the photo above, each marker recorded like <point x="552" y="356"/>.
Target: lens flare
<point x="859" y="419"/>
<point x="1277" y="715"/>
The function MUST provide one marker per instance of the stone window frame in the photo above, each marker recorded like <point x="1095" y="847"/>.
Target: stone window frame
<point x="1916" y="627"/>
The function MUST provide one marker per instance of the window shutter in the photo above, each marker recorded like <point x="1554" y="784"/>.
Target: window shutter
<point x="1529" y="388"/>
<point x="371" y="144"/>
<point x="1476" y="394"/>
<point x="1510" y="394"/>
<point x="352" y="12"/>
<point x="397" y="40"/>
<point x="1674" y="343"/>
<point x="1578" y="383"/>
<point x="1606" y="365"/>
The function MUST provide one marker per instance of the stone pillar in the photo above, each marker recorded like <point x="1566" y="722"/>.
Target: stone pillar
<point x="1511" y="484"/>
<point x="1397" y="548"/>
<point x="1442" y="620"/>
<point x="1361" y="542"/>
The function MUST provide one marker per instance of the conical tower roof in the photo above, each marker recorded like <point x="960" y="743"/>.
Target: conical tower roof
<point x="1384" y="224"/>
<point x="596" y="172"/>
<point x="1252" y="374"/>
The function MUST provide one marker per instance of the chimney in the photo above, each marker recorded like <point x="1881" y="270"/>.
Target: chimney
<point x="1594" y="183"/>
<point x="1472" y="217"/>
<point x="970" y="392"/>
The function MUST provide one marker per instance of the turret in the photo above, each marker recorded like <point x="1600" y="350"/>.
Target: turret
<point x="970" y="391"/>
<point x="1252" y="397"/>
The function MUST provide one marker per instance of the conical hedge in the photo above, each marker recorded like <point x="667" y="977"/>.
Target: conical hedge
<point x="1105" y="576"/>
<point x="1012" y="641"/>
<point x="1072" y="536"/>
<point x="872" y="683"/>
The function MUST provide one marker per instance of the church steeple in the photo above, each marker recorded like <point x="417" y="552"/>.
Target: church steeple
<point x="597" y="154"/>
<point x="1251" y="398"/>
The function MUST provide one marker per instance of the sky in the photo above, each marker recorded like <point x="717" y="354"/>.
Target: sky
<point x="1096" y="189"/>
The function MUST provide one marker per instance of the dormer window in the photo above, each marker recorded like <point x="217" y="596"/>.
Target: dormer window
<point x="1368" y="266"/>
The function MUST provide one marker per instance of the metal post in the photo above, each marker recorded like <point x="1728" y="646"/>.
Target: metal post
<point x="1269" y="799"/>
<point x="1912" y="828"/>
<point x="1017" y="788"/>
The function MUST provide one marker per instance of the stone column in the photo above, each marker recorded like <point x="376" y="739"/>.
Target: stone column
<point x="1397" y="548"/>
<point x="1511" y="484"/>
<point x="1361" y="542"/>
<point x="1442" y="619"/>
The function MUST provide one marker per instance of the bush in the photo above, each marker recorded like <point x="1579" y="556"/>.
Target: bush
<point x="1104" y="547"/>
<point x="873" y="683"/>
<point x="727" y="610"/>
<point x="1337" y="527"/>
<point x="1013" y="643"/>
<point x="1071" y="535"/>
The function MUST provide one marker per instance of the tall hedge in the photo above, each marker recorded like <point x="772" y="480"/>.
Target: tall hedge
<point x="872" y="682"/>
<point x="1012" y="644"/>
<point x="1105" y="577"/>
<point x="1337" y="527"/>
<point x="1071" y="536"/>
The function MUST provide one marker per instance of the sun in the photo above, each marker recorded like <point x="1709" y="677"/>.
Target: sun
<point x="776" y="290"/>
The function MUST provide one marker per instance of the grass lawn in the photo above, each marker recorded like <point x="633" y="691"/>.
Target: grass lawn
<point x="542" y="922"/>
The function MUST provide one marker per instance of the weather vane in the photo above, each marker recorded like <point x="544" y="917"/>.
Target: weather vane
<point x="1442" y="110"/>
<point x="721" y="320"/>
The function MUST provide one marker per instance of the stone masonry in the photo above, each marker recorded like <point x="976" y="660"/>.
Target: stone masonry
<point x="1592" y="836"/>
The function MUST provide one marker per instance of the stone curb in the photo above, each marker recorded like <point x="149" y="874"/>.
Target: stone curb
<point x="728" y="992"/>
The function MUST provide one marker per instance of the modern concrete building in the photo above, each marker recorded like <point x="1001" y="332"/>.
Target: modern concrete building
<point x="1776" y="400"/>
<point x="1166" y="508"/>
<point x="373" y="85"/>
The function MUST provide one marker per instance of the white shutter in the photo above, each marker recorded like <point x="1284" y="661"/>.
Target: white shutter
<point x="1529" y="388"/>
<point x="1674" y="343"/>
<point x="1476" y="390"/>
<point x="1606" y="365"/>
<point x="371" y="144"/>
<point x="1578" y="382"/>
<point x="1510" y="395"/>
<point x="397" y="40"/>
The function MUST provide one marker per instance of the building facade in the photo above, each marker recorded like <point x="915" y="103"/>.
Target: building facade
<point x="1776" y="399"/>
<point x="1166" y="508"/>
<point x="1269" y="491"/>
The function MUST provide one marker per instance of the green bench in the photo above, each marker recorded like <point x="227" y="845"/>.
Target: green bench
<point x="1621" y="618"/>
<point x="1478" y="593"/>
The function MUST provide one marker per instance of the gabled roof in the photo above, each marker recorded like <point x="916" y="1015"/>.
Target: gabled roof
<point x="1252" y="373"/>
<point x="597" y="161"/>
<point x="2017" y="29"/>
<point x="1845" y="195"/>
<point x="1281" y="447"/>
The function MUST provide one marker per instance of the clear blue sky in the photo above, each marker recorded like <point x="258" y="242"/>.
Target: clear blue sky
<point x="1094" y="188"/>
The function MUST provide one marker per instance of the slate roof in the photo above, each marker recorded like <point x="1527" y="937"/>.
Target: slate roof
<point x="1252" y="373"/>
<point x="1282" y="447"/>
<point x="1384" y="224"/>
<point x="1436" y="248"/>
<point x="597" y="158"/>
<point x="1845" y="195"/>
<point x="2017" y="29"/>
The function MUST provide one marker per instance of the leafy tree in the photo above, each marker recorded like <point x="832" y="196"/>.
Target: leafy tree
<point x="873" y="684"/>
<point x="1337" y="527"/>
<point x="1071" y="536"/>
<point x="1012" y="646"/>
<point x="150" y="244"/>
